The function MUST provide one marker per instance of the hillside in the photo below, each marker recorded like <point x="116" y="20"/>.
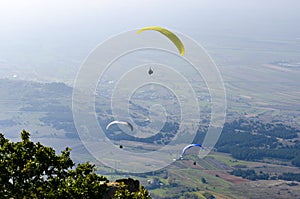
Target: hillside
<point x="254" y="147"/>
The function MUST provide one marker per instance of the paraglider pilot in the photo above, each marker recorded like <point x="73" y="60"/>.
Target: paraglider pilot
<point x="150" y="71"/>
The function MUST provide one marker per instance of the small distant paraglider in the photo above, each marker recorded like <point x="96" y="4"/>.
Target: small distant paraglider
<point x="187" y="147"/>
<point x="170" y="35"/>
<point x="150" y="71"/>
<point x="120" y="122"/>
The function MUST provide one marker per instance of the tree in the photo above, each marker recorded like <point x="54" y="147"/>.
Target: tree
<point x="124" y="193"/>
<point x="296" y="161"/>
<point x="208" y="195"/>
<point x="31" y="170"/>
<point x="203" y="180"/>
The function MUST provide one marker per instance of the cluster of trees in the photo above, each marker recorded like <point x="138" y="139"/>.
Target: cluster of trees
<point x="278" y="130"/>
<point x="31" y="170"/>
<point x="61" y="118"/>
<point x="253" y="175"/>
<point x="48" y="98"/>
<point x="285" y="153"/>
<point x="296" y="161"/>
<point x="229" y="139"/>
<point x="290" y="176"/>
<point x="209" y="195"/>
<point x="254" y="140"/>
<point x="250" y="174"/>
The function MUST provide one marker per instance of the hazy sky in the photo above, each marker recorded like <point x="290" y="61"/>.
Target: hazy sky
<point x="54" y="32"/>
<point x="117" y="15"/>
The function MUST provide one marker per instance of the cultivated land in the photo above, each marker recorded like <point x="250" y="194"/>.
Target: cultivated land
<point x="261" y="84"/>
<point x="211" y="175"/>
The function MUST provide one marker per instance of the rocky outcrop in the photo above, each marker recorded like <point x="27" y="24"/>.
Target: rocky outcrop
<point x="132" y="186"/>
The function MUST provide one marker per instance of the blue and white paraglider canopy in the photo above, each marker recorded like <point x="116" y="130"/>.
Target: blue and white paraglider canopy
<point x="187" y="147"/>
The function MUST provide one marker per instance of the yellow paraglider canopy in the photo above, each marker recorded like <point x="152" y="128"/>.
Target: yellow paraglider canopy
<point x="168" y="34"/>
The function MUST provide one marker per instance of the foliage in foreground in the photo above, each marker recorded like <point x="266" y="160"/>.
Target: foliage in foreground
<point x="31" y="170"/>
<point x="124" y="193"/>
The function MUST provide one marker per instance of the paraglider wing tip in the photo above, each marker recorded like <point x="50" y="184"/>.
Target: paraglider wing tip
<point x="139" y="31"/>
<point x="131" y="127"/>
